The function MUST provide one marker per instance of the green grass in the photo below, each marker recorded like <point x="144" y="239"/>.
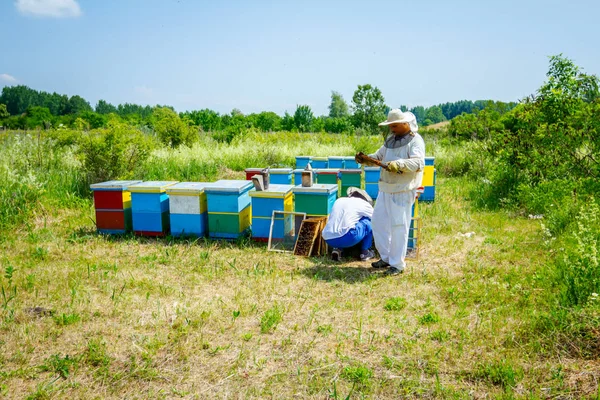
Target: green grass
<point x="131" y="317"/>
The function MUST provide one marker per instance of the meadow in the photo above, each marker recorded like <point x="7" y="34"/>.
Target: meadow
<point x="89" y="316"/>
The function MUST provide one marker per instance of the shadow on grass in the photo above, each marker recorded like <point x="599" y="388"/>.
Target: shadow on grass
<point x="89" y="234"/>
<point x="340" y="272"/>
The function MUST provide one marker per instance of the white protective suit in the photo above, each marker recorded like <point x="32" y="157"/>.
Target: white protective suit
<point x="393" y="209"/>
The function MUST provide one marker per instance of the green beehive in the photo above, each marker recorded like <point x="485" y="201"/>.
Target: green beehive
<point x="316" y="200"/>
<point x="350" y="177"/>
<point x="327" y="175"/>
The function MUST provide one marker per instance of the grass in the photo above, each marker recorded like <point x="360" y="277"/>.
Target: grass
<point x="130" y="317"/>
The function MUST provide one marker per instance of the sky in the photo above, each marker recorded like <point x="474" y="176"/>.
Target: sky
<point x="274" y="55"/>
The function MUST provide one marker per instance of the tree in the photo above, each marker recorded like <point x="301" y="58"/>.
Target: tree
<point x="268" y="121"/>
<point x="170" y="129"/>
<point x="77" y="105"/>
<point x="420" y="113"/>
<point x="338" y="107"/>
<point x="303" y="118"/>
<point x="287" y="122"/>
<point x="105" y="108"/>
<point x="435" y="115"/>
<point x="38" y="117"/>
<point x="369" y="107"/>
<point x="207" y="120"/>
<point x="3" y="111"/>
<point x="338" y="125"/>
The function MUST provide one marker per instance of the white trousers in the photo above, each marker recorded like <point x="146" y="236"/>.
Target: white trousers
<point x="391" y="225"/>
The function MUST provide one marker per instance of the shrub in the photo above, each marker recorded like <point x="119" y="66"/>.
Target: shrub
<point x="114" y="153"/>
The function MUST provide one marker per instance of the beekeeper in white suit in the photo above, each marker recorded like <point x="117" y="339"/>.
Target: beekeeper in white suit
<point x="404" y="154"/>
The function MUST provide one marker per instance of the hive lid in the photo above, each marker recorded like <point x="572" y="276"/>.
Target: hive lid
<point x="322" y="188"/>
<point x="188" y="188"/>
<point x="372" y="168"/>
<point x="113" y="185"/>
<point x="326" y="171"/>
<point x="253" y="169"/>
<point x="229" y="186"/>
<point x="280" y="171"/>
<point x="336" y="158"/>
<point x="151" y="186"/>
<point x="430" y="158"/>
<point x="303" y="156"/>
<point x="274" y="191"/>
<point x="349" y="158"/>
<point x="351" y="171"/>
<point x="319" y="158"/>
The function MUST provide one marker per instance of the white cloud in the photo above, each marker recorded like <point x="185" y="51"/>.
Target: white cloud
<point x="8" y="79"/>
<point x="49" y="8"/>
<point x="144" y="90"/>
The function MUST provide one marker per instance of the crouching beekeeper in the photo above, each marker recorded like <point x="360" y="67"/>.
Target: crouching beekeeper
<point x="404" y="154"/>
<point x="349" y="224"/>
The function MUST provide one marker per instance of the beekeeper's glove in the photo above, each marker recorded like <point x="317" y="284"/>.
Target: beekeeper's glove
<point x="394" y="166"/>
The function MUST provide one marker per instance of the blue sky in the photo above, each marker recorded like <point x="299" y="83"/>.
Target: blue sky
<point x="273" y="55"/>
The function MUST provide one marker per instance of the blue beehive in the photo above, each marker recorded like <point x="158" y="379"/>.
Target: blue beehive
<point x="280" y="176"/>
<point x="336" y="162"/>
<point x="319" y="162"/>
<point x="298" y="176"/>
<point x="150" y="207"/>
<point x="188" y="209"/>
<point x="350" y="163"/>
<point x="229" y="208"/>
<point x="302" y="161"/>
<point x="372" y="181"/>
<point x="276" y="198"/>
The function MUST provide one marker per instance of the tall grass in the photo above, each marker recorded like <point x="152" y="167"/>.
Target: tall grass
<point x="33" y="168"/>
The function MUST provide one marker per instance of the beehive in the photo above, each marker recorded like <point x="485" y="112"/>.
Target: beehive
<point x="429" y="178"/>
<point x="372" y="181"/>
<point x="319" y="162"/>
<point x="276" y="198"/>
<point x="350" y="163"/>
<point x="413" y="236"/>
<point x="112" y="204"/>
<point x="150" y="207"/>
<point x="250" y="172"/>
<point x="281" y="176"/>
<point x="302" y="161"/>
<point x="229" y="208"/>
<point x="297" y="173"/>
<point x="327" y="175"/>
<point x="350" y="177"/>
<point x="316" y="200"/>
<point x="336" y="162"/>
<point x="188" y="209"/>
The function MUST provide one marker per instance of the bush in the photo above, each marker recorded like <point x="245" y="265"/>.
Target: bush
<point x="171" y="130"/>
<point x="114" y="153"/>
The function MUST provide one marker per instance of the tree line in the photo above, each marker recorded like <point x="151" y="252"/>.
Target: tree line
<point x="24" y="108"/>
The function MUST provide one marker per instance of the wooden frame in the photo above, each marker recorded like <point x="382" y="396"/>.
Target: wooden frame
<point x="284" y="213"/>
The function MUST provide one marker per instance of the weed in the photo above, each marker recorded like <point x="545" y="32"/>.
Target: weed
<point x="395" y="304"/>
<point x="60" y="365"/>
<point x="429" y="318"/>
<point x="500" y="373"/>
<point x="358" y="374"/>
<point x="66" y="319"/>
<point x="270" y="319"/>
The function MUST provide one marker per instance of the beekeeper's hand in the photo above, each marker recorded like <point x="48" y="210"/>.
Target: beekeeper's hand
<point x="359" y="158"/>
<point x="394" y="166"/>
